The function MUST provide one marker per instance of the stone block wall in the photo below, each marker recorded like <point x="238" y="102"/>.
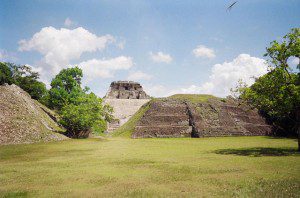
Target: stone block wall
<point x="126" y="98"/>
<point x="126" y="90"/>
<point x="175" y="118"/>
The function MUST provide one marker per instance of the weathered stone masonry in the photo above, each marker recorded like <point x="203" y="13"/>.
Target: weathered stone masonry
<point x="126" y="90"/>
<point x="175" y="118"/>
<point x="126" y="98"/>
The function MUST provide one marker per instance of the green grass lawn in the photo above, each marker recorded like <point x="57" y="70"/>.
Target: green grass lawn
<point x="118" y="167"/>
<point x="194" y="98"/>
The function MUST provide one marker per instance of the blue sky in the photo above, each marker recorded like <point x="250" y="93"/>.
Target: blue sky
<point x="168" y="46"/>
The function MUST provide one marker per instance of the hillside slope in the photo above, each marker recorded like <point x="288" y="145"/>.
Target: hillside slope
<point x="196" y="116"/>
<point x="24" y="120"/>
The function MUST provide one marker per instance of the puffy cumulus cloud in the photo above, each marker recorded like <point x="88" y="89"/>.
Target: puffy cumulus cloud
<point x="139" y="75"/>
<point x="226" y="75"/>
<point x="60" y="46"/>
<point x="68" y="22"/>
<point x="161" y="57"/>
<point x="203" y="51"/>
<point x="223" y="77"/>
<point x="105" y="68"/>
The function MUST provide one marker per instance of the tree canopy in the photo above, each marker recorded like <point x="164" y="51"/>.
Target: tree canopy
<point x="65" y="88"/>
<point x="24" y="77"/>
<point x="277" y="94"/>
<point x="79" y="110"/>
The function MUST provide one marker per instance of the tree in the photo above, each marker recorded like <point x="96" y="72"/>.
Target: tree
<point x="65" y="88"/>
<point x="79" y="111"/>
<point x="79" y="118"/>
<point x="5" y="74"/>
<point x="24" y="77"/>
<point x="277" y="94"/>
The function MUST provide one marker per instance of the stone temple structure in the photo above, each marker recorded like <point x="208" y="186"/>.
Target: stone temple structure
<point x="126" y="90"/>
<point x="126" y="98"/>
<point x="181" y="118"/>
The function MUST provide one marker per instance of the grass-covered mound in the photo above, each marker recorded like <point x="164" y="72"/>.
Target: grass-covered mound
<point x="171" y="167"/>
<point x="194" y="98"/>
<point x="195" y="115"/>
<point x="126" y="129"/>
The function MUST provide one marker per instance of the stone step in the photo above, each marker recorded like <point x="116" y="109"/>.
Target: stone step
<point x="162" y="131"/>
<point x="250" y="119"/>
<point x="249" y="129"/>
<point x="258" y="129"/>
<point x="165" y="120"/>
<point x="239" y="111"/>
<point x="167" y="110"/>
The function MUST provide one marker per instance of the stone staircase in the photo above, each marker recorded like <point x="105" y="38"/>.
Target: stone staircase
<point x="113" y="126"/>
<point x="227" y="120"/>
<point x="164" y="119"/>
<point x="175" y="118"/>
<point x="124" y="109"/>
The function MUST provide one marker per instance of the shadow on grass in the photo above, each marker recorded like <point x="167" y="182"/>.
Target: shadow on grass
<point x="259" y="151"/>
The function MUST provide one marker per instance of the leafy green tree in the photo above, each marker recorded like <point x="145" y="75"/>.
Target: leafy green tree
<point x="277" y="94"/>
<point x="24" y="77"/>
<point x="80" y="111"/>
<point x="79" y="118"/>
<point x="65" y="88"/>
<point x="5" y="74"/>
<point x="37" y="90"/>
<point x="27" y="79"/>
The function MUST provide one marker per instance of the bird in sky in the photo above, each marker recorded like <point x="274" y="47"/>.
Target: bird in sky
<point x="231" y="5"/>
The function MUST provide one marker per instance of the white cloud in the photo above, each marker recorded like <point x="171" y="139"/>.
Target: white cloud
<point x="60" y="46"/>
<point x="226" y="75"/>
<point x="43" y="75"/>
<point x="223" y="77"/>
<point x="161" y="57"/>
<point x="139" y="75"/>
<point x="68" y="22"/>
<point x="203" y="51"/>
<point x="105" y="68"/>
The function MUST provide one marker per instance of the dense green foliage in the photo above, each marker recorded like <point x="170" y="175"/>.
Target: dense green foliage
<point x="78" y="118"/>
<point x="277" y="94"/>
<point x="80" y="111"/>
<point x="24" y="77"/>
<point x="272" y="96"/>
<point x="5" y="74"/>
<point x="65" y="88"/>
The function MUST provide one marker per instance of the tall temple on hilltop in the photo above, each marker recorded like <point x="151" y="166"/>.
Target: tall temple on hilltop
<point x="126" y="98"/>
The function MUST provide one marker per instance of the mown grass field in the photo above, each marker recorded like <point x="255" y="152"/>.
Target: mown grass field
<point x="123" y="167"/>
